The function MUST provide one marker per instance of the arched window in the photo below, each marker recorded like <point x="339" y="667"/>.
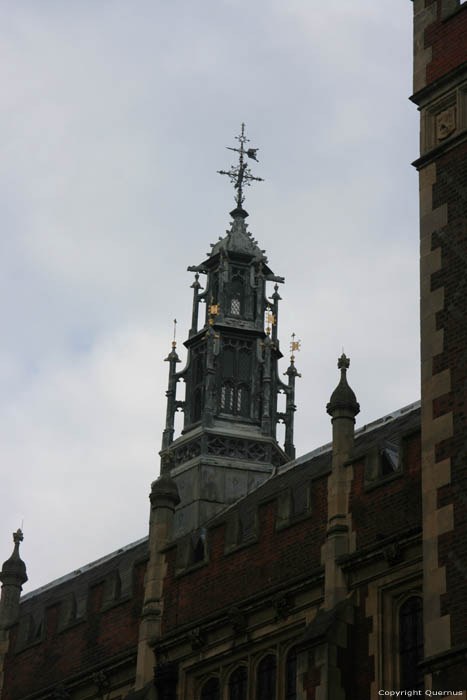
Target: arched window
<point x="266" y="678"/>
<point x="411" y="643"/>
<point x="210" y="690"/>
<point x="236" y="368"/>
<point x="291" y="675"/>
<point x="238" y="683"/>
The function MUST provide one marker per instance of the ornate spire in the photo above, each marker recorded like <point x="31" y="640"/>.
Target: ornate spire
<point x="240" y="175"/>
<point x="172" y="405"/>
<point x="172" y="356"/>
<point x="12" y="576"/>
<point x="292" y="374"/>
<point x="343" y="397"/>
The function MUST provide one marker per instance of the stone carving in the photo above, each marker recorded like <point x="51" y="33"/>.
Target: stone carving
<point x="186" y="452"/>
<point x="393" y="553"/>
<point x="445" y="123"/>
<point x="234" y="447"/>
<point x="102" y="681"/>
<point x="197" y="638"/>
<point x="238" y="620"/>
<point x="283" y="604"/>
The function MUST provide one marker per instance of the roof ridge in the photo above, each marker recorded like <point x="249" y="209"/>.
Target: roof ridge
<point x="323" y="449"/>
<point x="82" y="569"/>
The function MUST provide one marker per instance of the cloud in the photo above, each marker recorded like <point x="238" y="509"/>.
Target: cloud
<point x="115" y="119"/>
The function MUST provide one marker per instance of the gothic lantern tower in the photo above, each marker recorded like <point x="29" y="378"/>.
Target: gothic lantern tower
<point x="228" y="444"/>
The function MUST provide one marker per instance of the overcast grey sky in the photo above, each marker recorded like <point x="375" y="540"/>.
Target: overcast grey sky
<point x="114" y="119"/>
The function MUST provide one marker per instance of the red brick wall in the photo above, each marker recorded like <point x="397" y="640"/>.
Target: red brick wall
<point x="448" y="42"/>
<point x="393" y="506"/>
<point x="277" y="557"/>
<point x="103" y="635"/>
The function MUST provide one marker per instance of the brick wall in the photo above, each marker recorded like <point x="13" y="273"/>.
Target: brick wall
<point x="275" y="558"/>
<point x="391" y="507"/>
<point x="86" y="644"/>
<point x="447" y="41"/>
<point x="451" y="189"/>
<point x="440" y="76"/>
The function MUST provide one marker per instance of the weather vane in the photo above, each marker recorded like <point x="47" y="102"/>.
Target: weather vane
<point x="240" y="174"/>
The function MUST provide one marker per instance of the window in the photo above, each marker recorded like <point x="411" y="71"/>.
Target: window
<point x="210" y="690"/>
<point x="235" y="306"/>
<point x="266" y="678"/>
<point x="411" y="643"/>
<point x="198" y="384"/>
<point x="236" y="377"/>
<point x="389" y="459"/>
<point x="199" y="547"/>
<point x="382" y="463"/>
<point x="236" y="294"/>
<point x="299" y="505"/>
<point x="291" y="675"/>
<point x="238" y="683"/>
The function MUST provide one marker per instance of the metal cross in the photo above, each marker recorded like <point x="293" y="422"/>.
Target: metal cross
<point x="241" y="175"/>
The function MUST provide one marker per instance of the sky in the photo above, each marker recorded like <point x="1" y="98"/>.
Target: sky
<point x="114" y="118"/>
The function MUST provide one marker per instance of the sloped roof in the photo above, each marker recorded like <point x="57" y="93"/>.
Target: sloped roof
<point x="311" y="465"/>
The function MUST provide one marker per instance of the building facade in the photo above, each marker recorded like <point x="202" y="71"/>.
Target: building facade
<point x="338" y="574"/>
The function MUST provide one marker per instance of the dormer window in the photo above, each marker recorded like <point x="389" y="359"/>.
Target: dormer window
<point x="382" y="463"/>
<point x="389" y="459"/>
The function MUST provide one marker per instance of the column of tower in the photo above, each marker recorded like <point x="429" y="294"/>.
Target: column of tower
<point x="440" y="92"/>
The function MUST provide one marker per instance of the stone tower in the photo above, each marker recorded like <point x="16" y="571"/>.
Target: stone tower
<point x="228" y="444"/>
<point x="440" y="92"/>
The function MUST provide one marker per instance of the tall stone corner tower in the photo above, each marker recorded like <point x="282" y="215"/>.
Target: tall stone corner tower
<point x="228" y="444"/>
<point x="440" y="92"/>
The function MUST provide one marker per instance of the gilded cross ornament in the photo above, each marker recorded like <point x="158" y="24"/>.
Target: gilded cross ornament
<point x="295" y="346"/>
<point x="270" y="319"/>
<point x="240" y="175"/>
<point x="213" y="308"/>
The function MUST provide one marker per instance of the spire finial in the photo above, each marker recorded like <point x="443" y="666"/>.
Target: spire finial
<point x="18" y="536"/>
<point x="174" y="342"/>
<point x="343" y="363"/>
<point x="241" y="174"/>
<point x="343" y="398"/>
<point x="14" y="569"/>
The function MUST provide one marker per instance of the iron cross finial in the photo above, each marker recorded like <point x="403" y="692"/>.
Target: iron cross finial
<point x="240" y="174"/>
